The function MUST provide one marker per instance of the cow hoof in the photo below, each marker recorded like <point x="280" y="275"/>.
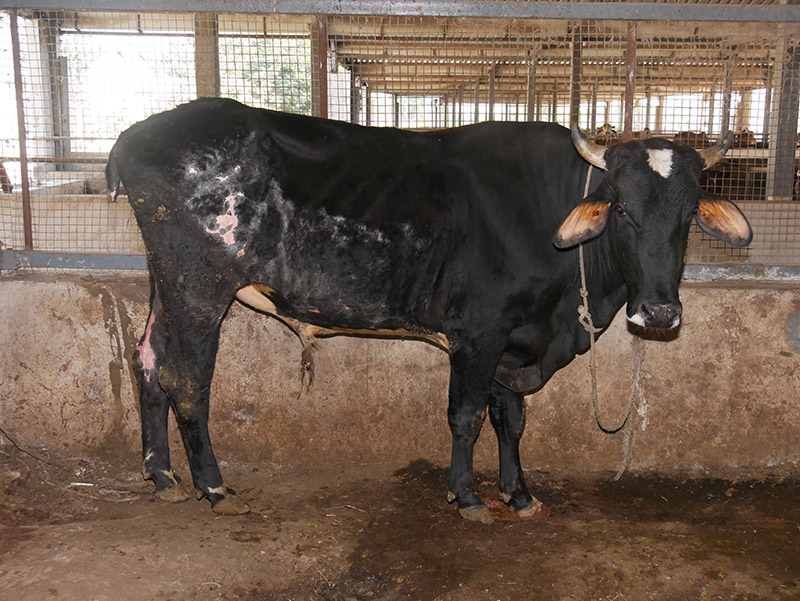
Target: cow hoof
<point x="168" y="486"/>
<point x="175" y="493"/>
<point x="530" y="510"/>
<point x="479" y="513"/>
<point x="228" y="503"/>
<point x="521" y="503"/>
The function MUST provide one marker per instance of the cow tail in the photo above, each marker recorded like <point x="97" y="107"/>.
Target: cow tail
<point x="306" y="366"/>
<point x="112" y="177"/>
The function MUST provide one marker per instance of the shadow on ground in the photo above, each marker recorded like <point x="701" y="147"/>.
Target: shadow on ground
<point x="85" y="530"/>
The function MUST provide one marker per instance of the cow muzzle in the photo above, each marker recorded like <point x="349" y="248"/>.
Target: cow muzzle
<point x="664" y="316"/>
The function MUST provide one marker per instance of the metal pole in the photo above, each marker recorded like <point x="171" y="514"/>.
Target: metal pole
<point x="477" y="101"/>
<point x="27" y="221"/>
<point x="575" y="93"/>
<point x="354" y="92"/>
<point x="630" y="82"/>
<point x="727" y="98"/>
<point x="742" y="114"/>
<point x="711" y="102"/>
<point x="368" y="104"/>
<point x="767" y="105"/>
<point x="659" y="121"/>
<point x="531" y="83"/>
<point x="491" y="91"/>
<point x="460" y="104"/>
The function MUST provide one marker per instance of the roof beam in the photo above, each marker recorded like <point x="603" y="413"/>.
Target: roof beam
<point x="625" y="11"/>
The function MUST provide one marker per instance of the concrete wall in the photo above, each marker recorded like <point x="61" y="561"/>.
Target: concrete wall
<point x="721" y="396"/>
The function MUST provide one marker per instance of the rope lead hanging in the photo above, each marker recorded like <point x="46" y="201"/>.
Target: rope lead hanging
<point x="629" y="434"/>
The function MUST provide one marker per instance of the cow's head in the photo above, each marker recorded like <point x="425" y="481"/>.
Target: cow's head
<point x="646" y="203"/>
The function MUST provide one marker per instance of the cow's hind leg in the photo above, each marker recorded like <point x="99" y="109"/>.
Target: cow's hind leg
<point x="507" y="414"/>
<point x="191" y="348"/>
<point x="154" y="407"/>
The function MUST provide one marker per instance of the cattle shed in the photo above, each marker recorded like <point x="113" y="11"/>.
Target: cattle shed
<point x="347" y="478"/>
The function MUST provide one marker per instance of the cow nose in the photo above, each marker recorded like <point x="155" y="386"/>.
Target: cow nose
<point x="661" y="315"/>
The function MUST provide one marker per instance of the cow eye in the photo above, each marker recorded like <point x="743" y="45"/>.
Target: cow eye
<point x="620" y="210"/>
<point x="694" y="211"/>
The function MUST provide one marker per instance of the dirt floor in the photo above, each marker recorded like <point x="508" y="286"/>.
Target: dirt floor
<point x="84" y="530"/>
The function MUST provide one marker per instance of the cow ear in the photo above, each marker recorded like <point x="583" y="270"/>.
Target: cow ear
<point x="583" y="223"/>
<point x="723" y="219"/>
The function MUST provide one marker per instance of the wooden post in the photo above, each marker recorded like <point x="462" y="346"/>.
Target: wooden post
<point x="319" y="63"/>
<point x="206" y="54"/>
<point x="783" y="131"/>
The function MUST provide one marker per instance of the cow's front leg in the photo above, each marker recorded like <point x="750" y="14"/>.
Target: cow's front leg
<point x="507" y="414"/>
<point x="154" y="406"/>
<point x="470" y="380"/>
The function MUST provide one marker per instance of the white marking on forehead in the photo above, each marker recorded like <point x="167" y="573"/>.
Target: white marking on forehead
<point x="661" y="161"/>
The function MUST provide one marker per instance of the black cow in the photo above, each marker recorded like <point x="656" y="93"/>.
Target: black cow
<point x="460" y="236"/>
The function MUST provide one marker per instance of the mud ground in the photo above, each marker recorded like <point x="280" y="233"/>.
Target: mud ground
<point x="80" y="530"/>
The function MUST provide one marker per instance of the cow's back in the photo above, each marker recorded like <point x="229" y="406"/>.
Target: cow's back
<point x="416" y="217"/>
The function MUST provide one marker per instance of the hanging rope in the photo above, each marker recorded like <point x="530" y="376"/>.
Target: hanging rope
<point x="636" y="387"/>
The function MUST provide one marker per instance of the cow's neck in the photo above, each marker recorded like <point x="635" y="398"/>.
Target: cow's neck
<point x="604" y="281"/>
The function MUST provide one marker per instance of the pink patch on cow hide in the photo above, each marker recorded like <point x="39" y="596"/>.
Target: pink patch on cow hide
<point x="226" y="223"/>
<point x="146" y="354"/>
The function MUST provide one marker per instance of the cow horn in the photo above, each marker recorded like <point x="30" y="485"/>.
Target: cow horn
<point x="711" y="156"/>
<point x="594" y="153"/>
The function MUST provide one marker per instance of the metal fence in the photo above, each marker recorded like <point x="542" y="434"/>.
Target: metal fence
<point x="74" y="79"/>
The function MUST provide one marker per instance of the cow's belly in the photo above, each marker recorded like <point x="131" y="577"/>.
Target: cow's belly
<point x="258" y="296"/>
<point x="338" y="273"/>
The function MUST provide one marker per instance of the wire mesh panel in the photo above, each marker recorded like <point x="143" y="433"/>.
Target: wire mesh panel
<point x="11" y="227"/>
<point x="266" y="61"/>
<point x="87" y="75"/>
